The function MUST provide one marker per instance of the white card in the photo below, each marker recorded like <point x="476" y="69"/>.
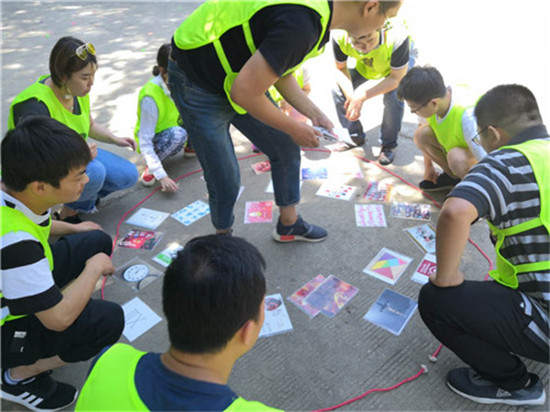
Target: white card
<point x="276" y="317"/>
<point x="336" y="191"/>
<point x="370" y="216"/>
<point x="139" y="318"/>
<point x="191" y="213"/>
<point x="165" y="257"/>
<point x="425" y="269"/>
<point x="148" y="218"/>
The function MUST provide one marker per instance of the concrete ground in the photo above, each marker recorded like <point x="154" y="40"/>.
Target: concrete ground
<point x="322" y="362"/>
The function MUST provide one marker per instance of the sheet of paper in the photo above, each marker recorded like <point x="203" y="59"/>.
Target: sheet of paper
<point x="191" y="213"/>
<point x="391" y="311"/>
<point x="331" y="296"/>
<point x="147" y="218"/>
<point x="425" y="269"/>
<point x="297" y="298"/>
<point x="388" y="266"/>
<point x="336" y="191"/>
<point x="258" y="212"/>
<point x="139" y="318"/>
<point x="276" y="317"/>
<point x="370" y="216"/>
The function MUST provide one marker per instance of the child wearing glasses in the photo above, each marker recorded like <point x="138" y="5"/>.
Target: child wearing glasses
<point x="490" y="325"/>
<point x="63" y="95"/>
<point x="158" y="130"/>
<point x="447" y="138"/>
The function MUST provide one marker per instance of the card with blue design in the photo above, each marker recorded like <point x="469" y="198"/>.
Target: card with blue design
<point x="192" y="213"/>
<point x="313" y="173"/>
<point x="388" y="266"/>
<point x="391" y="311"/>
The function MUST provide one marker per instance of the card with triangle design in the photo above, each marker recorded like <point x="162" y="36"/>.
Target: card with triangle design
<point x="388" y="265"/>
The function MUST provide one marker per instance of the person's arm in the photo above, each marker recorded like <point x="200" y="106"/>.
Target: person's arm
<point x="453" y="230"/>
<point x="98" y="132"/>
<point x="249" y="89"/>
<point x="60" y="228"/>
<point x="469" y="130"/>
<point x="77" y="295"/>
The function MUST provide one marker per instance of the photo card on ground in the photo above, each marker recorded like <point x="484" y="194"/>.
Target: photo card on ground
<point x="258" y="212"/>
<point x="191" y="213"/>
<point x="331" y="296"/>
<point x="391" y="311"/>
<point x="415" y="211"/>
<point x="370" y="216"/>
<point x="298" y="297"/>
<point x="276" y="317"/>
<point x="378" y="191"/>
<point x="423" y="236"/>
<point x="141" y="239"/>
<point x="388" y="265"/>
<point x="137" y="274"/>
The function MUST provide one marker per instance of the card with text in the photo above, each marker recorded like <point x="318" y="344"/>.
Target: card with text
<point x="276" y="317"/>
<point x="370" y="216"/>
<point x="425" y="269"/>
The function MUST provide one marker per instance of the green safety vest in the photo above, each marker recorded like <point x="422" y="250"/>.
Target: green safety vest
<point x="13" y="220"/>
<point x="213" y="18"/>
<point x="78" y="122"/>
<point x="298" y="75"/>
<point x="167" y="112"/>
<point x="449" y="132"/>
<point x="537" y="152"/>
<point x="375" y="64"/>
<point x="111" y="385"/>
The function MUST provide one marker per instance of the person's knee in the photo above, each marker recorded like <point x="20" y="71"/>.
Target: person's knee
<point x="100" y="241"/>
<point x="96" y="174"/>
<point x="428" y="299"/>
<point x="424" y="137"/>
<point x="460" y="161"/>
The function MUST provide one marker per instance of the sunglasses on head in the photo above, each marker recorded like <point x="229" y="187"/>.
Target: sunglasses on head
<point x="83" y="50"/>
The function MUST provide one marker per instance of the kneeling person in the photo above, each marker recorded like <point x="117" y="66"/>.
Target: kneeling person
<point x="213" y="300"/>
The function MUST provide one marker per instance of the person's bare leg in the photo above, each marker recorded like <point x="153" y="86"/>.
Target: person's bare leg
<point x="460" y="161"/>
<point x="41" y="365"/>
<point x="288" y="215"/>
<point x="425" y="140"/>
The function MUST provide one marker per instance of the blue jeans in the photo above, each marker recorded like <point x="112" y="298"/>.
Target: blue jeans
<point x="107" y="173"/>
<point x="207" y="117"/>
<point x="392" y="117"/>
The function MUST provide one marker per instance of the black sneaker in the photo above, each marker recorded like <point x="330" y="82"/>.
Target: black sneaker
<point x="358" y="138"/>
<point x="40" y="393"/>
<point x="301" y="230"/>
<point x="467" y="383"/>
<point x="443" y="181"/>
<point x="386" y="156"/>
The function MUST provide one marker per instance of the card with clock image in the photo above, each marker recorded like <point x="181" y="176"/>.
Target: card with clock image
<point x="137" y="274"/>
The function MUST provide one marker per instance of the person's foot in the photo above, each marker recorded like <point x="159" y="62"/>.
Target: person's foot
<point x="40" y="393"/>
<point x="147" y="179"/>
<point x="443" y="181"/>
<point x="188" y="150"/>
<point x="467" y="383"/>
<point x="358" y="138"/>
<point x="299" y="231"/>
<point x="386" y="156"/>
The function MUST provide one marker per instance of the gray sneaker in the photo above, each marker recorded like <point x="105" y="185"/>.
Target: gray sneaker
<point x="299" y="231"/>
<point x="467" y="383"/>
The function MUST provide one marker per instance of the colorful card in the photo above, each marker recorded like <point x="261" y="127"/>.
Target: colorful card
<point x="298" y="297"/>
<point x="424" y="236"/>
<point x="192" y="213"/>
<point x="136" y="274"/>
<point x="261" y="167"/>
<point x="312" y="173"/>
<point x="141" y="239"/>
<point x="391" y="311"/>
<point x="331" y="296"/>
<point x="378" y="191"/>
<point x="370" y="216"/>
<point x="388" y="266"/>
<point x="258" y="212"/>
<point x="148" y="218"/>
<point x="426" y="268"/>
<point x="411" y="211"/>
<point x="336" y="191"/>
<point x="165" y="257"/>
<point x="276" y="317"/>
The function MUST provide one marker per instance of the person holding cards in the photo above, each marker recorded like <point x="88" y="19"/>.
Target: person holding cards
<point x="219" y="74"/>
<point x="213" y="299"/>
<point x="489" y="325"/>
<point x="64" y="95"/>
<point x="386" y="55"/>
<point x="48" y="318"/>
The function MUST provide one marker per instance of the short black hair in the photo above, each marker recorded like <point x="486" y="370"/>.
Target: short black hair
<point x="421" y="84"/>
<point x="41" y="149"/>
<point x="211" y="289"/>
<point x="65" y="62"/>
<point x="162" y="58"/>
<point x="386" y="5"/>
<point x="507" y="105"/>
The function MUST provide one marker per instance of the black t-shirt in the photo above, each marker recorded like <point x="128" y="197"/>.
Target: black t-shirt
<point x="284" y="34"/>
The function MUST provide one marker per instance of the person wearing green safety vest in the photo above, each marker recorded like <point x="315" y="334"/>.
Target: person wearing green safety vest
<point x="384" y="55"/>
<point x="158" y="132"/>
<point x="48" y="318"/>
<point x="490" y="324"/>
<point x="446" y="138"/>
<point x="213" y="299"/>
<point x="225" y="56"/>
<point x="64" y="95"/>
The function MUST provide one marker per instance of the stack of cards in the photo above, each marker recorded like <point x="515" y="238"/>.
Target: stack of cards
<point x="141" y="239"/>
<point x="423" y="236"/>
<point x="391" y="311"/>
<point x="276" y="317"/>
<point x="370" y="216"/>
<point x="191" y="213"/>
<point x="331" y="296"/>
<point x="411" y="211"/>
<point x="388" y="266"/>
<point x="298" y="297"/>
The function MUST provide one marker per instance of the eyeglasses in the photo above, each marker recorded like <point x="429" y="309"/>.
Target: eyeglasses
<point x="83" y="50"/>
<point x="477" y="138"/>
<point x="422" y="105"/>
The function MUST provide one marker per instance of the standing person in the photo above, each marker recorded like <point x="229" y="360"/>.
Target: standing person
<point x="490" y="324"/>
<point x="385" y="55"/>
<point x="158" y="132"/>
<point x="220" y="74"/>
<point x="48" y="318"/>
<point x="446" y="139"/>
<point x="213" y="299"/>
<point x="63" y="95"/>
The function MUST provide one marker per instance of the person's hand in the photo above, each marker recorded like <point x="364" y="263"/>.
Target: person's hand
<point x="322" y="120"/>
<point x="353" y="107"/>
<point x="86" y="226"/>
<point x="168" y="185"/>
<point x="93" y="150"/>
<point x="100" y="263"/>
<point x="305" y="135"/>
<point x="126" y="142"/>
